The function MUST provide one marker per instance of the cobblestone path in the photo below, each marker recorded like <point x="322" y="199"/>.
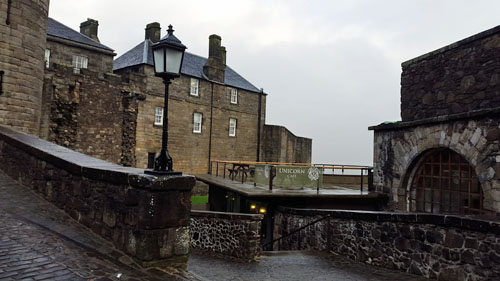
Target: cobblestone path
<point x="28" y="252"/>
<point x="293" y="266"/>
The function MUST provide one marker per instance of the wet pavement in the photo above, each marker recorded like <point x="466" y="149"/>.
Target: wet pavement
<point x="290" y="266"/>
<point x="40" y="242"/>
<point x="29" y="252"/>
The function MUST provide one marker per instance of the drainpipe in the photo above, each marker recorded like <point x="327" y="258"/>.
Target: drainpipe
<point x="210" y="135"/>
<point x="258" y="123"/>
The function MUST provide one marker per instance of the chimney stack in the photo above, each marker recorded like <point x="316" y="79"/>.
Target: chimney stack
<point x="215" y="66"/>
<point x="153" y="32"/>
<point x="223" y="54"/>
<point x="89" y="28"/>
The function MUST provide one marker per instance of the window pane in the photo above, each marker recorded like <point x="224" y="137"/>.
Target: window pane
<point x="232" y="127"/>
<point x="197" y="118"/>
<point x="173" y="60"/>
<point x="79" y="62"/>
<point x="234" y="96"/>
<point x="158" y="57"/>
<point x="47" y="58"/>
<point x="194" y="87"/>
<point x="158" y="116"/>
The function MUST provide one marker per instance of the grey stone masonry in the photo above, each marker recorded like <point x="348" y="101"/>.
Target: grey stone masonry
<point x="145" y="216"/>
<point x="473" y="135"/>
<point x="457" y="78"/>
<point x="227" y="234"/>
<point x="434" y="246"/>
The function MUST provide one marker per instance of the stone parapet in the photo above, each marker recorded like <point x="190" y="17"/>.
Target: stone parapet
<point x="228" y="234"/>
<point x="474" y="114"/>
<point x="145" y="216"/>
<point x="458" y="78"/>
<point x="435" y="246"/>
<point x="281" y="145"/>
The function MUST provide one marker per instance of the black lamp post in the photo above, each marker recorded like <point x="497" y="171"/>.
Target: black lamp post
<point x="168" y="54"/>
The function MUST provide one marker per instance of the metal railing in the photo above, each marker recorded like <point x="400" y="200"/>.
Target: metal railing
<point x="242" y="169"/>
<point x="269" y="246"/>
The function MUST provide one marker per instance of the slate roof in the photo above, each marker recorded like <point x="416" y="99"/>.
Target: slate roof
<point x="57" y="29"/>
<point x="192" y="65"/>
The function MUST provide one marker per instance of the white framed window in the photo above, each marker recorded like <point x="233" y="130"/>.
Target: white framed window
<point x="79" y="62"/>
<point x="159" y="116"/>
<point x="234" y="96"/>
<point x="47" y="58"/>
<point x="194" y="87"/>
<point x="232" y="127"/>
<point x="197" y="118"/>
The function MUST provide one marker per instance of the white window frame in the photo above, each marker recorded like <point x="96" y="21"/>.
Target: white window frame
<point x="47" y="58"/>
<point x="79" y="62"/>
<point x="197" y="122"/>
<point x="195" y="86"/>
<point x="234" y="96"/>
<point x="232" y="127"/>
<point x="158" y="116"/>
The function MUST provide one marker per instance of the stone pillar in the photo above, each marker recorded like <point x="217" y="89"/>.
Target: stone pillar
<point x="153" y="32"/>
<point x="161" y="234"/>
<point x="215" y="66"/>
<point x="89" y="29"/>
<point x="23" y="32"/>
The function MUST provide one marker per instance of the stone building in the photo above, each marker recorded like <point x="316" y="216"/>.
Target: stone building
<point x="23" y="26"/>
<point x="80" y="50"/>
<point x="215" y="114"/>
<point x="281" y="145"/>
<point x="444" y="156"/>
<point x="85" y="106"/>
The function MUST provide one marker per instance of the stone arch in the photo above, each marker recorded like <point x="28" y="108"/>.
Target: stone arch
<point x="440" y="180"/>
<point x="466" y="139"/>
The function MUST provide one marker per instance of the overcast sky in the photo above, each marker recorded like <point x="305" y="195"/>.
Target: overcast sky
<point x="331" y="68"/>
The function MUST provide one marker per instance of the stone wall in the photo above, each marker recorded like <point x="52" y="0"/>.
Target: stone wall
<point x="228" y="234"/>
<point x="434" y="246"/>
<point x="473" y="135"/>
<point x="92" y="112"/>
<point x="23" y="28"/>
<point x="145" y="216"/>
<point x="281" y="145"/>
<point x="457" y="78"/>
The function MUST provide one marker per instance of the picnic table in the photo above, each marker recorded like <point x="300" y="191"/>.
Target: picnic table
<point x="240" y="168"/>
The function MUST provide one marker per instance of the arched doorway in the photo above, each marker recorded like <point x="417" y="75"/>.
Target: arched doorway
<point x="445" y="183"/>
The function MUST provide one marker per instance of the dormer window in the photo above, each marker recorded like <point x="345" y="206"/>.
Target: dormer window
<point x="79" y="62"/>
<point x="234" y="96"/>
<point x="194" y="87"/>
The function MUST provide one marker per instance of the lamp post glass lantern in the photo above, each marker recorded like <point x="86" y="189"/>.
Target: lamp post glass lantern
<point x="168" y="54"/>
